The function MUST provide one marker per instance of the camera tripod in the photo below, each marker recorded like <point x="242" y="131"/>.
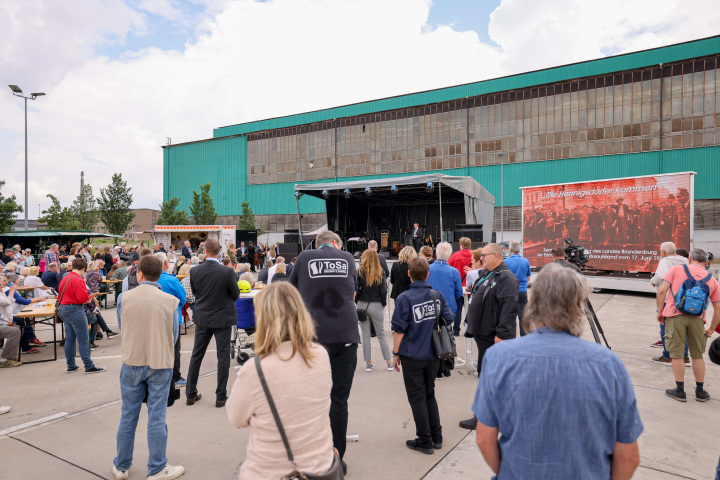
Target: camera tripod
<point x="595" y="324"/>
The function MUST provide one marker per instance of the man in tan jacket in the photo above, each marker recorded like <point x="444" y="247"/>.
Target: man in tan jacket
<point x="147" y="318"/>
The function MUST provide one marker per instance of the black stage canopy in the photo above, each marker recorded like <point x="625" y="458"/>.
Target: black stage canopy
<point x="394" y="204"/>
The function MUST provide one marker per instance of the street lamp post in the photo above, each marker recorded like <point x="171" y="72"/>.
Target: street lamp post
<point x="18" y="93"/>
<point x="502" y="202"/>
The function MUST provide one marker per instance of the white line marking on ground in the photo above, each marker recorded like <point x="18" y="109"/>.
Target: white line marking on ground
<point x="33" y="423"/>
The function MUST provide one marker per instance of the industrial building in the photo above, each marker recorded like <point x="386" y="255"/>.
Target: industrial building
<point x="643" y="113"/>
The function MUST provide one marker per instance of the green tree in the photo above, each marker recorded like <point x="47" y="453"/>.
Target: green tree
<point x="8" y="209"/>
<point x="58" y="217"/>
<point x="170" y="215"/>
<point x="114" y="205"/>
<point x="247" y="219"/>
<point x="202" y="208"/>
<point x="85" y="209"/>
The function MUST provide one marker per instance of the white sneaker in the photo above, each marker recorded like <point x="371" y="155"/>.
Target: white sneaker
<point x="390" y="367"/>
<point x="168" y="473"/>
<point x="368" y="367"/>
<point x="4" y="410"/>
<point x="120" y="474"/>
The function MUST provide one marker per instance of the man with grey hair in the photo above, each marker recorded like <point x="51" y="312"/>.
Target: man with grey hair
<point x="265" y="271"/>
<point x="680" y="324"/>
<point x="444" y="278"/>
<point x="373" y="245"/>
<point x="520" y="266"/>
<point x="493" y="306"/>
<point x="51" y="255"/>
<point x="327" y="280"/>
<point x="668" y="259"/>
<point x="597" y="399"/>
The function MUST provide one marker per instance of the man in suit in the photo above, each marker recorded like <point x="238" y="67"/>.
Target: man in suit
<point x="418" y="235"/>
<point x="242" y="253"/>
<point x="251" y="256"/>
<point x="215" y="289"/>
<point x="186" y="252"/>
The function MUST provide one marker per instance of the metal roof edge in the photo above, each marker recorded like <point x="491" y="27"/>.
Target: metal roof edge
<point x="609" y="179"/>
<point x="604" y="65"/>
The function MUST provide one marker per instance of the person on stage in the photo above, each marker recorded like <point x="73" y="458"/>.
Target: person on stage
<point x="418" y="235"/>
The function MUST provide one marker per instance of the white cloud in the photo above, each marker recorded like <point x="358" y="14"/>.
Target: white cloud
<point x="259" y="60"/>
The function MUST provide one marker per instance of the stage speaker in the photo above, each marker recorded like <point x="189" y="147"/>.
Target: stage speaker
<point x="473" y="231"/>
<point x="493" y="238"/>
<point x="385" y="254"/>
<point x="448" y="236"/>
<point x="292" y="238"/>
<point x="407" y="240"/>
<point x="289" y="250"/>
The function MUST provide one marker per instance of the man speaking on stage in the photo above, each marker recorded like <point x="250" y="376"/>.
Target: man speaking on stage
<point x="418" y="235"/>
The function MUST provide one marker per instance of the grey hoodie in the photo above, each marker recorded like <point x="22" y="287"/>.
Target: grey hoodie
<point x="664" y="266"/>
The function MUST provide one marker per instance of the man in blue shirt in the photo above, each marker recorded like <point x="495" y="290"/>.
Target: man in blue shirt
<point x="520" y="266"/>
<point x="564" y="407"/>
<point x="445" y="278"/>
<point x="170" y="284"/>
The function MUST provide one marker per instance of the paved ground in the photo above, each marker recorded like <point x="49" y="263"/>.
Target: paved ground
<point x="78" y="415"/>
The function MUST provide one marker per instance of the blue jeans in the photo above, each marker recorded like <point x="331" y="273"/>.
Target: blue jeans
<point x="665" y="353"/>
<point x="76" y="327"/>
<point x="133" y="384"/>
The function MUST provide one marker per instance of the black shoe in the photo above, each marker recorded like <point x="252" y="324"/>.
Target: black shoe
<point x="344" y="467"/>
<point x="456" y="334"/>
<point x="191" y="401"/>
<point x="111" y="334"/>
<point x="99" y="336"/>
<point x="62" y="343"/>
<point x="73" y="369"/>
<point x="673" y="393"/>
<point x="93" y="346"/>
<point x="437" y="444"/>
<point x="469" y="423"/>
<point x="220" y="403"/>
<point x="95" y="369"/>
<point x="413" y="445"/>
<point x="702" y="396"/>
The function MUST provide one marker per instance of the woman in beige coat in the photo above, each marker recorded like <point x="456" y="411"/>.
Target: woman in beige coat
<point x="297" y="372"/>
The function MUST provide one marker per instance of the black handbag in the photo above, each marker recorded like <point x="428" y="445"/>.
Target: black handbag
<point x="362" y="314"/>
<point x="334" y="473"/>
<point x="443" y="342"/>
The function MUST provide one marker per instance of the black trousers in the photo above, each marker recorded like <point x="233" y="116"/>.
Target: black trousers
<point x="343" y="360"/>
<point x="222" y="342"/>
<point x="482" y="345"/>
<point x="419" y="378"/>
<point x="176" y="367"/>
<point x="522" y="301"/>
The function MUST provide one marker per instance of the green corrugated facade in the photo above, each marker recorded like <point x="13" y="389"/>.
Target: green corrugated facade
<point x="223" y="160"/>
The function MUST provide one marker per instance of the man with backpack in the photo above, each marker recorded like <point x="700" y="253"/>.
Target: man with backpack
<point x="691" y="288"/>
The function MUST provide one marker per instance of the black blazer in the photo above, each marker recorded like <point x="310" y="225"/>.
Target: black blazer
<point x="215" y="289"/>
<point x="399" y="278"/>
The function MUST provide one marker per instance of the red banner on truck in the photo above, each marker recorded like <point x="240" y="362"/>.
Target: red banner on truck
<point x="622" y="222"/>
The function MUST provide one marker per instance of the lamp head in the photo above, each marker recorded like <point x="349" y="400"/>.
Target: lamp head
<point x="325" y="194"/>
<point x="15" y="88"/>
<point x="347" y="193"/>
<point x="368" y="191"/>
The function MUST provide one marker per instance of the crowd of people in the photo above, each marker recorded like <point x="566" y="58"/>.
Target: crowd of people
<point x="612" y="224"/>
<point x="544" y="386"/>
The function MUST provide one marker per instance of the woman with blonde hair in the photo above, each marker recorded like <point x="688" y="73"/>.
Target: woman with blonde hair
<point x="399" y="276"/>
<point x="32" y="280"/>
<point x="297" y="372"/>
<point x="180" y="263"/>
<point x="371" y="298"/>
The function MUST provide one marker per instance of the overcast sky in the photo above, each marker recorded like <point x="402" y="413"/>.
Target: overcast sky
<point x="122" y="75"/>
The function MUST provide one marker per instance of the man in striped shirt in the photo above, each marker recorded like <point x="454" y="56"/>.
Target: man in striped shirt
<point x="51" y="255"/>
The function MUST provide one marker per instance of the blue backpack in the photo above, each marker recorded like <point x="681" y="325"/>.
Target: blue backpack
<point x="694" y="295"/>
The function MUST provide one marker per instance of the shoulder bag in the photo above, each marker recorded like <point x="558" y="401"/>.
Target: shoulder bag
<point x="57" y="304"/>
<point x="335" y="472"/>
<point x="443" y="342"/>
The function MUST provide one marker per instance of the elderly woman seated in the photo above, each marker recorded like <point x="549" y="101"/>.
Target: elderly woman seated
<point x="33" y="280"/>
<point x="280" y="273"/>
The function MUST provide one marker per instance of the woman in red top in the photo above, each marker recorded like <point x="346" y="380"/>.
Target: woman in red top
<point x="73" y="294"/>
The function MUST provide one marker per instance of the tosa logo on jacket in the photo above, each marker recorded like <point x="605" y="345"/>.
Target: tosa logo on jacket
<point x="328" y="267"/>
<point x="425" y="311"/>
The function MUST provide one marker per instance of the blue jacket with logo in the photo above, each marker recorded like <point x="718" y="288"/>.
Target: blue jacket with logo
<point x="414" y="316"/>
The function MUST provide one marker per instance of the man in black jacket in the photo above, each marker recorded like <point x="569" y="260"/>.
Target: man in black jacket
<point x="215" y="289"/>
<point x="493" y="307"/>
<point x="251" y="256"/>
<point x="327" y="281"/>
<point x="373" y="245"/>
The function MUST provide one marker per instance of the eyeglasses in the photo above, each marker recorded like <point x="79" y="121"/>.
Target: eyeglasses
<point x="483" y="255"/>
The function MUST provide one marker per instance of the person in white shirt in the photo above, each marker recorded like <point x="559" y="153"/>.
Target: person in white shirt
<point x="271" y="272"/>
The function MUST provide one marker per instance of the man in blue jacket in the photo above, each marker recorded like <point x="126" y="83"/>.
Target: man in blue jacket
<point x="412" y="323"/>
<point x="445" y="278"/>
<point x="170" y="284"/>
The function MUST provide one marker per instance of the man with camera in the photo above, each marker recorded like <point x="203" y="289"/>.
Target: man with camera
<point x="558" y="255"/>
<point x="493" y="307"/>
